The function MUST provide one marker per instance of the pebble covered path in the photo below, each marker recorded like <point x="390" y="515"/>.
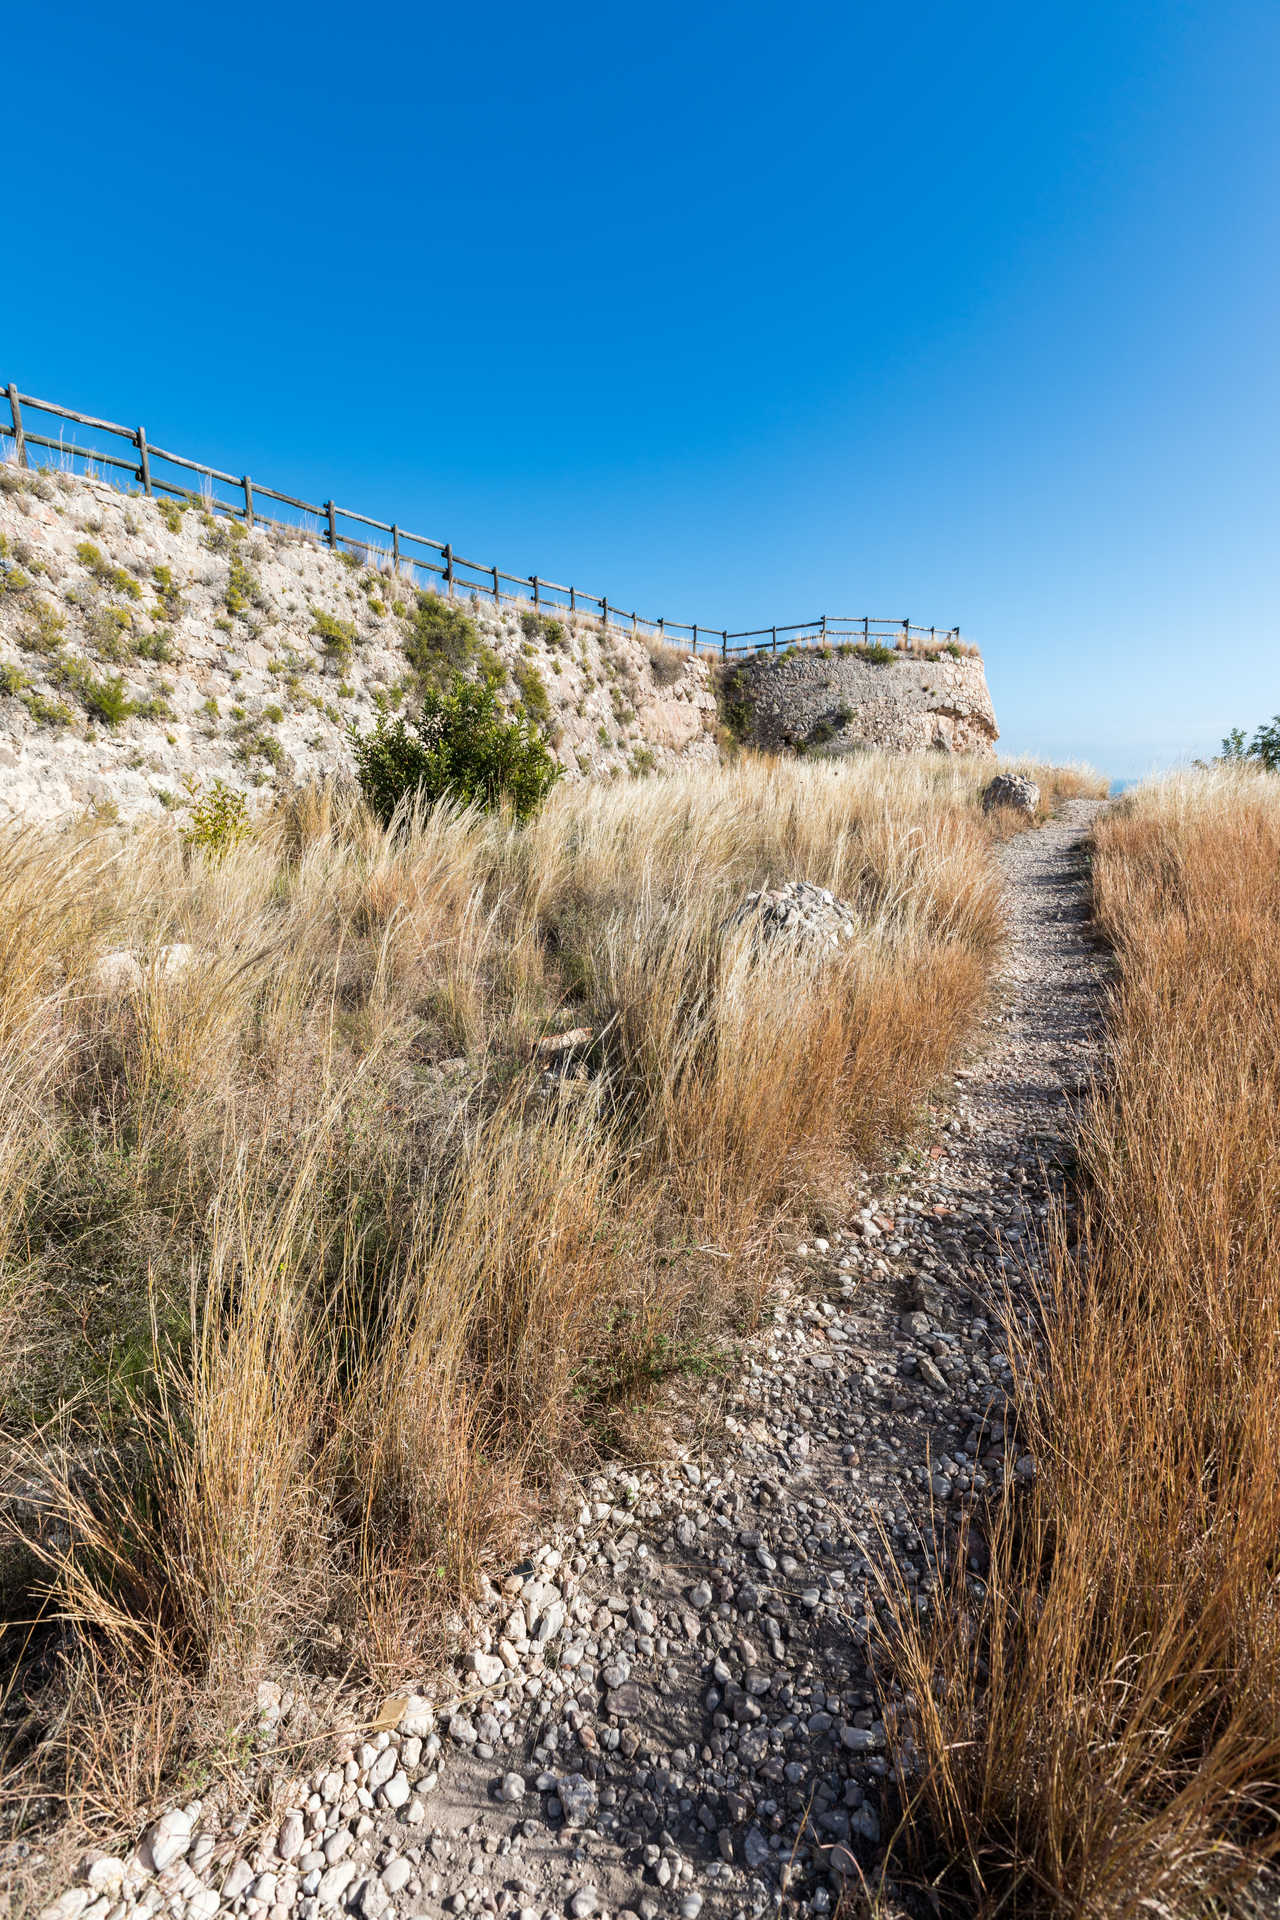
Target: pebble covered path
<point x="670" y="1711"/>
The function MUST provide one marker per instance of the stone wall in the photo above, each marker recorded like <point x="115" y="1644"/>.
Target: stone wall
<point x="246" y="656"/>
<point x="845" y="699"/>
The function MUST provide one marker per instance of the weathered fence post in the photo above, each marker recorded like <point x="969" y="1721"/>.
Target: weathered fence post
<point x="661" y="628"/>
<point x="775" y="639"/>
<point x="724" y="644"/>
<point x="824" y="629"/>
<point x="19" y="437"/>
<point x="247" y="484"/>
<point x="695" y="636"/>
<point x="573" y="600"/>
<point x="395" y="549"/>
<point x="866" y="628"/>
<point x="144" y="459"/>
<point x="448" y="569"/>
<point x="633" y="626"/>
<point x="604" y="613"/>
<point x="333" y="524"/>
<point x="496" y="594"/>
<point x="906" y="636"/>
<point x="534" y="578"/>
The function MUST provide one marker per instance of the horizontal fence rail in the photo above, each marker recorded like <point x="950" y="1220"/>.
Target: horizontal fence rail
<point x="420" y="560"/>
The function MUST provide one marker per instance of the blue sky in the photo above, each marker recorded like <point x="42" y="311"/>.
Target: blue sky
<point x="962" y="312"/>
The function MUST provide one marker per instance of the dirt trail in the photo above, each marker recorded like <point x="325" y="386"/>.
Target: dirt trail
<point x="672" y="1710"/>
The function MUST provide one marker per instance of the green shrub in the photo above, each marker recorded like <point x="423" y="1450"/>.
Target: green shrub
<point x="46" y="712"/>
<point x="171" y="512"/>
<point x="219" y="817"/>
<point x="443" y="642"/>
<point x="12" y="679"/>
<point x="155" y="646"/>
<point x="339" y="636"/>
<point x="533" y="692"/>
<point x="1262" y="751"/>
<point x="460" y="745"/>
<point x="102" y="570"/>
<point x="874" y="654"/>
<point x="167" y="592"/>
<point x="541" y="626"/>
<point x="106" y="700"/>
<point x="243" y="589"/>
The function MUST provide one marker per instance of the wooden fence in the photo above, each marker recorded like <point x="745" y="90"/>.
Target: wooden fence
<point x="411" y="554"/>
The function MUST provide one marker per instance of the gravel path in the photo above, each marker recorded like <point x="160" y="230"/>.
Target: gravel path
<point x="670" y="1710"/>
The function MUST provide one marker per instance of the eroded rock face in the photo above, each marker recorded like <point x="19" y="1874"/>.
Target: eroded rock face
<point x="246" y="658"/>
<point x="832" y="702"/>
<point x="1011" y="790"/>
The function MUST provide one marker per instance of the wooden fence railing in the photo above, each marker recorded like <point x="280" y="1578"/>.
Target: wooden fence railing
<point x="411" y="554"/>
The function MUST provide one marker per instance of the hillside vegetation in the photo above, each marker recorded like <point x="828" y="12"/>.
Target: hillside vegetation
<point x="1099" y="1720"/>
<point x="149" y="645"/>
<point x="317" y="1270"/>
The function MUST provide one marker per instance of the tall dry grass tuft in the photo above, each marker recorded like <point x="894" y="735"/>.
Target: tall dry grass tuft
<point x="316" y="1284"/>
<point x="1098" y="1722"/>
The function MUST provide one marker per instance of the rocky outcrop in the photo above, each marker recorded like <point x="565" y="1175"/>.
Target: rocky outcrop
<point x="796" y="914"/>
<point x="1011" y="790"/>
<point x="147" y="650"/>
<point x="845" y="699"/>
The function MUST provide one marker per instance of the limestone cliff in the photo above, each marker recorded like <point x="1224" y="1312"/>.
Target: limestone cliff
<point x="846" y="698"/>
<point x="144" y="648"/>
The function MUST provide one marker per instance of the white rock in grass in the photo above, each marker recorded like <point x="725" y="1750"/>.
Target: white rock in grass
<point x="118" y="972"/>
<point x="167" y="1840"/>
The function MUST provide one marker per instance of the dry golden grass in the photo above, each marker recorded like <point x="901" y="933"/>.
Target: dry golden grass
<point x="1099" y="1729"/>
<point x="310" y="1290"/>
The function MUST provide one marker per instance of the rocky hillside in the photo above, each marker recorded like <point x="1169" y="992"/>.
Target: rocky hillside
<point x="845" y="698"/>
<point x="146" y="649"/>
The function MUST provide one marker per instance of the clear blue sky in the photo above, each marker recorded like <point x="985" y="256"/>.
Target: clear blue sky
<point x="964" y="312"/>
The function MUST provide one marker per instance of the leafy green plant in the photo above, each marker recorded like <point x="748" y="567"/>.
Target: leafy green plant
<point x="542" y="626"/>
<point x="533" y="692"/>
<point x="339" y="636"/>
<point x="460" y="745"/>
<point x="155" y="646"/>
<point x="105" y="573"/>
<point x="105" y="700"/>
<point x="443" y="641"/>
<point x="167" y="592"/>
<point x="171" y="512"/>
<point x="12" y="679"/>
<point x="219" y="817"/>
<point x="1263" y="750"/>
<point x="243" y="589"/>
<point x="874" y="654"/>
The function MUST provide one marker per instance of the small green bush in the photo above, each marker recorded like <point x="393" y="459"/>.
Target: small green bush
<point x="443" y="641"/>
<point x="167" y="592"/>
<point x="1262" y="751"/>
<point x="171" y="512"/>
<point x="106" y="700"/>
<point x="874" y="654"/>
<point x="243" y="589"/>
<point x="102" y="570"/>
<point x="460" y="745"/>
<point x="12" y="679"/>
<point x="219" y="818"/>
<point x="339" y="636"/>
<point x="542" y="626"/>
<point x="533" y="692"/>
